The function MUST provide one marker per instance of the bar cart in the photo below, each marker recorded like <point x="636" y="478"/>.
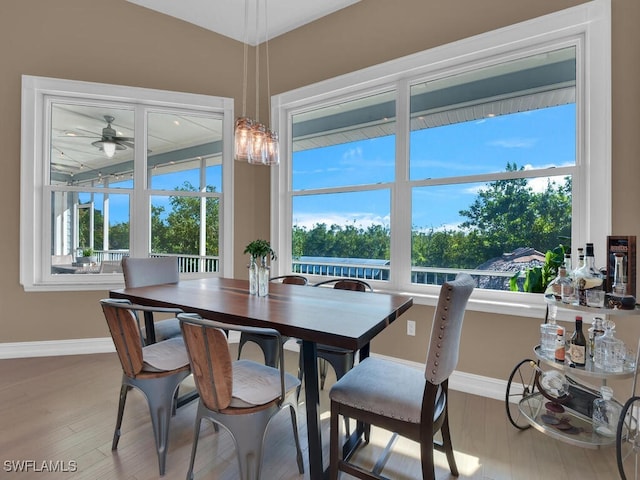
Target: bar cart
<point x="568" y="419"/>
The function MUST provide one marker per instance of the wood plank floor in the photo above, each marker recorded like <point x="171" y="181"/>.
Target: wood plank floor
<point x="62" y="409"/>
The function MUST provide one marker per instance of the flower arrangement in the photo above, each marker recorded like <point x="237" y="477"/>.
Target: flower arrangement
<point x="259" y="274"/>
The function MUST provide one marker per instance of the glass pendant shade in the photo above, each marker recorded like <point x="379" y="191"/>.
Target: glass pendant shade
<point x="273" y="148"/>
<point x="243" y="138"/>
<point x="257" y="154"/>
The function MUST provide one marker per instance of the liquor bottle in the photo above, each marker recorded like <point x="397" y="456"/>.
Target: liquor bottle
<point x="560" y="287"/>
<point x="596" y="330"/>
<point x="560" y="345"/>
<point x="578" y="345"/>
<point x="597" y="281"/>
<point x="567" y="262"/>
<point x="606" y="413"/>
<point x="579" y="279"/>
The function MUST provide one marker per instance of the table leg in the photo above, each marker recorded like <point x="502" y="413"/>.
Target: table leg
<point x="149" y="328"/>
<point x="312" y="404"/>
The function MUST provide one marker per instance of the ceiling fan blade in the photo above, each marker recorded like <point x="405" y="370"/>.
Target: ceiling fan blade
<point x="125" y="143"/>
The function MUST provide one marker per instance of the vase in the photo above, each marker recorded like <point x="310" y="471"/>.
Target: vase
<point x="253" y="276"/>
<point x="263" y="278"/>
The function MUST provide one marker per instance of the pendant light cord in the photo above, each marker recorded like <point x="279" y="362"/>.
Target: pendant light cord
<point x="266" y="34"/>
<point x="245" y="58"/>
<point x="257" y="63"/>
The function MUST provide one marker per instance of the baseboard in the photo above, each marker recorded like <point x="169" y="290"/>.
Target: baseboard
<point x="461" y="381"/>
<point x="53" y="348"/>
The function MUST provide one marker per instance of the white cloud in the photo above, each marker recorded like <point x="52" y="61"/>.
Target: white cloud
<point x="514" y="142"/>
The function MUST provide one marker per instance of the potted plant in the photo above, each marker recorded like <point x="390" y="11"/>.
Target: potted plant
<point x="536" y="279"/>
<point x="87" y="256"/>
<point x="259" y="273"/>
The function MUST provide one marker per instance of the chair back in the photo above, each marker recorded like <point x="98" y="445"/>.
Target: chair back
<point x="110" y="266"/>
<point x="61" y="259"/>
<point x="290" y="279"/>
<point x="446" y="330"/>
<point x="347" y="284"/>
<point x="143" y="272"/>
<point x="125" y="333"/>
<point x="210" y="361"/>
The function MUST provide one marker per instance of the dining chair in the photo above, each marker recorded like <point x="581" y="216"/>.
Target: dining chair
<point x="111" y="266"/>
<point x="404" y="400"/>
<point x="242" y="396"/>
<point x="268" y="344"/>
<point x="144" y="272"/>
<point x="341" y="359"/>
<point x="156" y="370"/>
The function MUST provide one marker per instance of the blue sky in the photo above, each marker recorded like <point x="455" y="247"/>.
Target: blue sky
<point x="533" y="139"/>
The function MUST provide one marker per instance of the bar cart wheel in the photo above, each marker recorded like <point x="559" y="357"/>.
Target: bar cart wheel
<point x="521" y="384"/>
<point x="628" y="440"/>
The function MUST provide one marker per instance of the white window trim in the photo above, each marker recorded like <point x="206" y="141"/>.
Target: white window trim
<point x="34" y="224"/>
<point x="586" y="26"/>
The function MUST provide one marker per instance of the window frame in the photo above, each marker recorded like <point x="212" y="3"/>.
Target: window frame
<point x="35" y="196"/>
<point x="586" y="27"/>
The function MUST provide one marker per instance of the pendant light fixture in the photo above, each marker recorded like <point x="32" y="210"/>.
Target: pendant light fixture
<point x="253" y="141"/>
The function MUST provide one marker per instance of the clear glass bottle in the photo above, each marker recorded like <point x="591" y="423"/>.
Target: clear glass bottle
<point x="579" y="281"/>
<point x="548" y="332"/>
<point x="606" y="413"/>
<point x="596" y="330"/>
<point x="619" y="286"/>
<point x="263" y="278"/>
<point x="597" y="279"/>
<point x="560" y="287"/>
<point x="610" y="351"/>
<point x="253" y="276"/>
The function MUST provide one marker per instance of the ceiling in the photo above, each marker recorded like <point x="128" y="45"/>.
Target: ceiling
<point x="227" y="17"/>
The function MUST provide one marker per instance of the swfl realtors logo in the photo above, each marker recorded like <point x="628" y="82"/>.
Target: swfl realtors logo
<point x="38" y="466"/>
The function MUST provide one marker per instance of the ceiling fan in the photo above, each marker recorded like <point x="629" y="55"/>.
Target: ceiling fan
<point x="110" y="141"/>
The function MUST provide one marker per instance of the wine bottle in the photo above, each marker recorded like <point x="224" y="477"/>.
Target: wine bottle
<point x="578" y="345"/>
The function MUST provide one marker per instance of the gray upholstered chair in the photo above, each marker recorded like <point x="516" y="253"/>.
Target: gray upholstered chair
<point x="156" y="370"/>
<point x="241" y="396"/>
<point x="268" y="345"/>
<point x="341" y="359"/>
<point x="402" y="399"/>
<point x="143" y="272"/>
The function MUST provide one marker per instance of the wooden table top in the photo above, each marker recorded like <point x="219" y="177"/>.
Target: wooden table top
<point x="341" y="318"/>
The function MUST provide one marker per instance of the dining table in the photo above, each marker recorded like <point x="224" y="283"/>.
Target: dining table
<point x="340" y="318"/>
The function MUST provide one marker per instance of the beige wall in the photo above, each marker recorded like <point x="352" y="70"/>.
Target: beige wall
<point x="117" y="42"/>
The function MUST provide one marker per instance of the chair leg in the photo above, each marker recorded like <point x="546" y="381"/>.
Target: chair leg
<point x="160" y="396"/>
<point x="294" y="422"/>
<point x="448" y="446"/>
<point x="323" y="372"/>
<point x="334" y="448"/>
<point x="194" y="447"/>
<point x="123" y="398"/>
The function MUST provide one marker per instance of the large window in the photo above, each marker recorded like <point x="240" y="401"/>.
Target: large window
<point x="477" y="156"/>
<point x="113" y="171"/>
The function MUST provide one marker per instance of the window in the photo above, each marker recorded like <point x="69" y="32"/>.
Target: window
<point x="113" y="171"/>
<point x="410" y="171"/>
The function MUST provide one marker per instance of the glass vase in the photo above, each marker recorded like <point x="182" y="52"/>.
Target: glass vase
<point x="263" y="278"/>
<point x="253" y="276"/>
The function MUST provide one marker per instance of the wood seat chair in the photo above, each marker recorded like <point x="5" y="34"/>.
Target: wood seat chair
<point x="402" y="399"/>
<point x="156" y="370"/>
<point x="268" y="344"/>
<point x="144" y="272"/>
<point x="241" y="396"/>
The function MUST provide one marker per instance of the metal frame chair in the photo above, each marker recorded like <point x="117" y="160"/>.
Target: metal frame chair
<point x="268" y="345"/>
<point x="158" y="385"/>
<point x="402" y="399"/>
<point x="241" y="396"/>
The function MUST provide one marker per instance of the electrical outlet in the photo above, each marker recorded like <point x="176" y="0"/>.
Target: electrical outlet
<point x="411" y="328"/>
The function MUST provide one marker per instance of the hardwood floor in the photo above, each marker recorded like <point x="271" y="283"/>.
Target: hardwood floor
<point x="59" y="412"/>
